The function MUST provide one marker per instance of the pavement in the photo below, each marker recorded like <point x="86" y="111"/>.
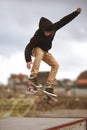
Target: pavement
<point x="15" y="123"/>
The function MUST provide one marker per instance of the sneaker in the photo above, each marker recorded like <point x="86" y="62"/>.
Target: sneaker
<point x="35" y="81"/>
<point x="32" y="87"/>
<point x="49" y="91"/>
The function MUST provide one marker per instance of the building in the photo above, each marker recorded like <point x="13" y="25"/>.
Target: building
<point x="18" y="82"/>
<point x="81" y="81"/>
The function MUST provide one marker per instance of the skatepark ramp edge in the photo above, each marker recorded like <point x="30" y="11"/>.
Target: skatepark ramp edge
<point x="80" y="124"/>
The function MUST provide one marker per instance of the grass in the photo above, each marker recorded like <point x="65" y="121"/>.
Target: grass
<point x="32" y="105"/>
<point x="15" y="106"/>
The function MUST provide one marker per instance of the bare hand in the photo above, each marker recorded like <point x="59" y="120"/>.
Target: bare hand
<point x="28" y="64"/>
<point x="79" y="10"/>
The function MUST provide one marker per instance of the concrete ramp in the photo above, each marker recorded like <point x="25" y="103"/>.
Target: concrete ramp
<point x="43" y="124"/>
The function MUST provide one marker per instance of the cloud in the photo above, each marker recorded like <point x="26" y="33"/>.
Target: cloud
<point x="13" y="64"/>
<point x="71" y="56"/>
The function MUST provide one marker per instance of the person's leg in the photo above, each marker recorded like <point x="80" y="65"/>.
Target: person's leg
<point x="38" y="54"/>
<point x="50" y="60"/>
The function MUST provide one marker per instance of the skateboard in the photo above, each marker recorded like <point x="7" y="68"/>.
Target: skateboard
<point x="50" y="97"/>
<point x="41" y="92"/>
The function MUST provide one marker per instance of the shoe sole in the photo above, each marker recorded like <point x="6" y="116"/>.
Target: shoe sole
<point x="38" y="86"/>
<point x="51" y="94"/>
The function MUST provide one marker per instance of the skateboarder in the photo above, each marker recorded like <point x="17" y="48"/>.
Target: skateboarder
<point x="39" y="47"/>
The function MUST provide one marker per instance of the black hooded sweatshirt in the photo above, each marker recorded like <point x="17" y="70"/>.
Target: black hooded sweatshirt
<point x="42" y="41"/>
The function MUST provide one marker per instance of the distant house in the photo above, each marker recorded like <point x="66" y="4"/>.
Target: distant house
<point x="81" y="84"/>
<point x="18" y="82"/>
<point x="81" y="81"/>
<point x="42" y="77"/>
<point x="67" y="84"/>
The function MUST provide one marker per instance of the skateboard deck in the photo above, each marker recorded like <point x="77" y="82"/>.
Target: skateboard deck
<point x="40" y="91"/>
<point x="50" y="97"/>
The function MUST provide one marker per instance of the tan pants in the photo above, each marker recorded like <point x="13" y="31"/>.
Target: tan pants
<point x="39" y="55"/>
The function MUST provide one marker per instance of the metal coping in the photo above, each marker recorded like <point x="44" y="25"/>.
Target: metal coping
<point x="69" y="124"/>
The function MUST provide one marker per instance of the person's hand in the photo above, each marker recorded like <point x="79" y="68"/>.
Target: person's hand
<point x="28" y="64"/>
<point x="79" y="10"/>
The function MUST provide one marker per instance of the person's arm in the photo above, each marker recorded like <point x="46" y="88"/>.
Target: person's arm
<point x="29" y="48"/>
<point x="27" y="53"/>
<point x="65" y="20"/>
<point x="28" y="64"/>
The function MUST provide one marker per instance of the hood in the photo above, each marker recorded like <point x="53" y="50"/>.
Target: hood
<point x="45" y="24"/>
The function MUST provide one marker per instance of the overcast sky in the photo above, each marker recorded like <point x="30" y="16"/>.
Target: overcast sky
<point x="18" y="22"/>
